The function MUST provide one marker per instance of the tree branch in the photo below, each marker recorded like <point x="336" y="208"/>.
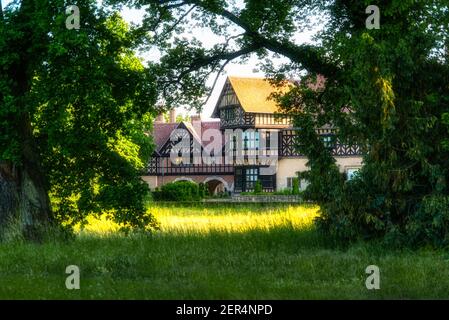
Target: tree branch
<point x="215" y="80"/>
<point x="176" y="23"/>
<point x="306" y="55"/>
<point x="219" y="57"/>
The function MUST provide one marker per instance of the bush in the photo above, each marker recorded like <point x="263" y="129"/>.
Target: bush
<point x="220" y="195"/>
<point x="361" y="210"/>
<point x="349" y="216"/>
<point x="202" y="190"/>
<point x="283" y="192"/>
<point x="179" y="191"/>
<point x="430" y="223"/>
<point x="258" y="187"/>
<point x="295" y="186"/>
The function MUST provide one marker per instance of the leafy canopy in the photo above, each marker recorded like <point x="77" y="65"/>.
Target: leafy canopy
<point x="385" y="90"/>
<point x="88" y="101"/>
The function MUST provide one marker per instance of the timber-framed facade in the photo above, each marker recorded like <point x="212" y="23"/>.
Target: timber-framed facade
<point x="252" y="134"/>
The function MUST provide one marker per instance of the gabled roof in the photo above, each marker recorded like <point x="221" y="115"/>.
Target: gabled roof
<point x="191" y="129"/>
<point x="254" y="94"/>
<point x="162" y="131"/>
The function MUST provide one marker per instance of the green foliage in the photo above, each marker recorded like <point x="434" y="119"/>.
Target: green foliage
<point x="295" y="186"/>
<point x="258" y="187"/>
<point x="89" y="102"/>
<point x="203" y="190"/>
<point x="283" y="192"/>
<point x="430" y="222"/>
<point x="385" y="90"/>
<point x="389" y="100"/>
<point x="220" y="195"/>
<point x="179" y="191"/>
<point x="182" y="118"/>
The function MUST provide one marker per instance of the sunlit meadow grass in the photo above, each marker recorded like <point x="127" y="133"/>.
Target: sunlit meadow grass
<point x="235" y="220"/>
<point x="204" y="220"/>
<point x="218" y="252"/>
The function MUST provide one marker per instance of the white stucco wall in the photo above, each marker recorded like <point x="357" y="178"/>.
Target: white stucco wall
<point x="345" y="163"/>
<point x="288" y="168"/>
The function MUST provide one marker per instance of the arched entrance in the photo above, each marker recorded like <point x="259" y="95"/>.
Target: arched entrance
<point x="216" y="185"/>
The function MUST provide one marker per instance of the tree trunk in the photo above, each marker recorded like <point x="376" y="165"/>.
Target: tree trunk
<point x="24" y="203"/>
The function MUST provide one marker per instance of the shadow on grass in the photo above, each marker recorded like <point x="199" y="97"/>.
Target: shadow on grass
<point x="275" y="262"/>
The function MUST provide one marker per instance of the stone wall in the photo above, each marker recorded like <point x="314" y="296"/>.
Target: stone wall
<point x="259" y="199"/>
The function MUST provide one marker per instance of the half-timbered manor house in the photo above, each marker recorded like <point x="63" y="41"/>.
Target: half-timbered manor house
<point x="245" y="104"/>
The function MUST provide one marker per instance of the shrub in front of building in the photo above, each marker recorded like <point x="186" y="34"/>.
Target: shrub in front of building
<point x="179" y="191"/>
<point x="295" y="186"/>
<point x="258" y="187"/>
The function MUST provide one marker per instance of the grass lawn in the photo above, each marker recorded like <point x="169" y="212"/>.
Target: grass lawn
<point x="217" y="252"/>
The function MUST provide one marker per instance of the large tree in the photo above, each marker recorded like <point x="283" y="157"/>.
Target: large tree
<point x="74" y="106"/>
<point x="386" y="89"/>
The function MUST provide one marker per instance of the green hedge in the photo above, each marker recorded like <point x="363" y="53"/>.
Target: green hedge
<point x="179" y="191"/>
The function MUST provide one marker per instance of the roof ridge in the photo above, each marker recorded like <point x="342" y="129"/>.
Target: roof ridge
<point x="248" y="77"/>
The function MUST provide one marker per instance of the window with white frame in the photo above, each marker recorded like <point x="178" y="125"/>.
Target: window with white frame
<point x="303" y="183"/>
<point x="290" y="182"/>
<point x="251" y="140"/>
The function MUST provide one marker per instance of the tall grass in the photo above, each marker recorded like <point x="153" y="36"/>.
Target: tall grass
<point x="203" y="219"/>
<point x="218" y="252"/>
<point x="234" y="219"/>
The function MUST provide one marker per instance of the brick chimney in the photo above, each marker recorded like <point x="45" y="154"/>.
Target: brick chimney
<point x="196" y="117"/>
<point x="172" y="116"/>
<point x="196" y="123"/>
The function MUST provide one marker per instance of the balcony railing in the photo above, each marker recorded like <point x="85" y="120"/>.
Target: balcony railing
<point x="163" y="166"/>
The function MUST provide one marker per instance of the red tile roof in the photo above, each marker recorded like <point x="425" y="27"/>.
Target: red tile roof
<point x="161" y="133"/>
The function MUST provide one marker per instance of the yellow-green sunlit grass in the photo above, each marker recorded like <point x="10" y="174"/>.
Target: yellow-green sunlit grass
<point x="234" y="220"/>
<point x="175" y="219"/>
<point x="98" y="226"/>
<point x="217" y="251"/>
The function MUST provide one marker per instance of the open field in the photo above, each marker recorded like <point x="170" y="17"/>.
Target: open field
<point x="217" y="252"/>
